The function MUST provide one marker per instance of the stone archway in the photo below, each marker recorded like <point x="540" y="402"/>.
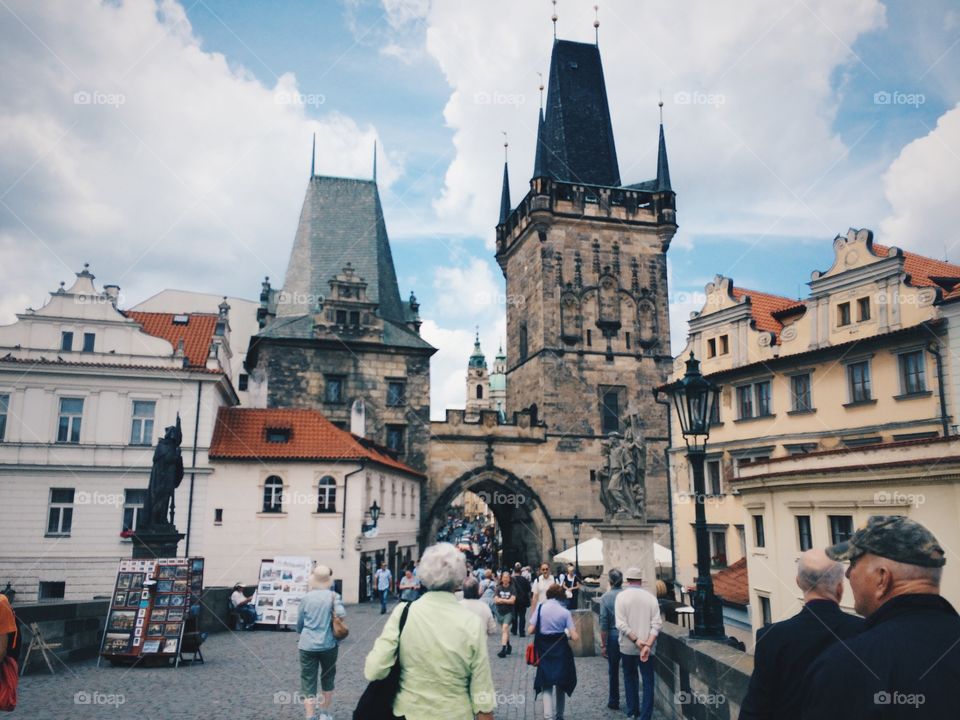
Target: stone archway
<point x="526" y="527"/>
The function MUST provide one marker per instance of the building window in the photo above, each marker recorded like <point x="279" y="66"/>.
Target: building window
<point x="712" y="347"/>
<point x="52" y="590"/>
<point x="800" y="393"/>
<point x="4" y="409"/>
<point x="395" y="440"/>
<point x="760" y="539"/>
<point x="333" y="389"/>
<point x="278" y="435"/>
<point x="841" y="528"/>
<point x="218" y="516"/>
<point x="863" y="309"/>
<point x="60" y="511"/>
<point x="804" y="534"/>
<point x="715" y="412"/>
<point x="479" y="392"/>
<point x="242" y="381"/>
<point x="742" y="537"/>
<point x="396" y="393"/>
<point x="912" y="378"/>
<point x="141" y="427"/>
<point x="341" y="317"/>
<point x="754" y="400"/>
<point x="858" y="375"/>
<point x="133" y="502"/>
<point x="843" y="314"/>
<point x="66" y="340"/>
<point x="762" y="391"/>
<point x="718" y="549"/>
<point x="724" y="345"/>
<point x="765" y="614"/>
<point x="273" y="495"/>
<point x="741" y="460"/>
<point x="589" y="338"/>
<point x="713" y="477"/>
<point x="523" y="342"/>
<point x="327" y="495"/>
<point x="609" y="410"/>
<point x="89" y="340"/>
<point x="745" y="401"/>
<point x="68" y="424"/>
<point x="628" y="341"/>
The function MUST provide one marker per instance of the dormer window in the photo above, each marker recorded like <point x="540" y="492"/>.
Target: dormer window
<point x="341" y="317"/>
<point x="66" y="341"/>
<point x="355" y="318"/>
<point x="278" y="435"/>
<point x="181" y="319"/>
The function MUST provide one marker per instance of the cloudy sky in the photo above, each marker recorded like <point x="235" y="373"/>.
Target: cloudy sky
<point x="168" y="143"/>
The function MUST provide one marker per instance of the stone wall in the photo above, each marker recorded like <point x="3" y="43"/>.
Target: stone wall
<point x="76" y="626"/>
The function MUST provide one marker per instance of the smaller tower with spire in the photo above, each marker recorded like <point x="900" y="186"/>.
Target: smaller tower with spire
<point x="498" y="384"/>
<point x="478" y="382"/>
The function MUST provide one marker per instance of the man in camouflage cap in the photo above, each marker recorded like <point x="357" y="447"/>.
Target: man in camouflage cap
<point x="907" y="661"/>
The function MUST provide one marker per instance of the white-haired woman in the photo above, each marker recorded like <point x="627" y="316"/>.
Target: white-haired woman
<point x="318" y="647"/>
<point x="445" y="671"/>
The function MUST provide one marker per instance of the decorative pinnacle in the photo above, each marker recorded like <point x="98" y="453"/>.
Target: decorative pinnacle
<point x="506" y="144"/>
<point x="596" y="24"/>
<point x="541" y="89"/>
<point x="660" y="105"/>
<point x="554" y="19"/>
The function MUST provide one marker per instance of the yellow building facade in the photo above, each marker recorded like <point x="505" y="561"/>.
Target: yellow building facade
<point x="863" y="360"/>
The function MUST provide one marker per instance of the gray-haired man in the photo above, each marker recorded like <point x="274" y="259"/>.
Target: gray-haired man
<point x="610" y="638"/>
<point x="785" y="650"/>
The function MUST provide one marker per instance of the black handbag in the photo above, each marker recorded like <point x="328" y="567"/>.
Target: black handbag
<point x="376" y="703"/>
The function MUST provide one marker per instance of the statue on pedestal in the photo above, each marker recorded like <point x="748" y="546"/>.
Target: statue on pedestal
<point x="623" y="477"/>
<point x="165" y="477"/>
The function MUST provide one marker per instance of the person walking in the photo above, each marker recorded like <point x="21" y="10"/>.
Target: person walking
<point x="444" y="667"/>
<point x="539" y="587"/>
<point x="384" y="582"/>
<point x="610" y="638"/>
<point x="470" y="589"/>
<point x="317" y="645"/>
<point x="488" y="587"/>
<point x="638" y="623"/>
<point x="505" y="600"/>
<point x="906" y="662"/>
<point x="552" y="628"/>
<point x="409" y="586"/>
<point x="785" y="650"/>
<point x="522" y="585"/>
<point x="570" y="580"/>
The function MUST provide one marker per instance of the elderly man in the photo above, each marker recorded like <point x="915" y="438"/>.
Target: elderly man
<point x="638" y="623"/>
<point x="786" y="649"/>
<point x="906" y="663"/>
<point x="609" y="638"/>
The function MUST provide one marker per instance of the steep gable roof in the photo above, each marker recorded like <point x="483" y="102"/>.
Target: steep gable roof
<point x="197" y="333"/>
<point x="923" y="271"/>
<point x="241" y="434"/>
<point x="767" y="310"/>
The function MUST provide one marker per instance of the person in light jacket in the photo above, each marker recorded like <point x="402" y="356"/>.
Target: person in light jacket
<point x="318" y="647"/>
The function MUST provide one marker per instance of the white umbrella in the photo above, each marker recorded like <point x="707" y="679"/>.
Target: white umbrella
<point x="591" y="553"/>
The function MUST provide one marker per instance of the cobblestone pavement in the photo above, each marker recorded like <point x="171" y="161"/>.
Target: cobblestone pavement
<point x="256" y="675"/>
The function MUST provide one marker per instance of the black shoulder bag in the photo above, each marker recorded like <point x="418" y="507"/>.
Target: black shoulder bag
<point x="376" y="703"/>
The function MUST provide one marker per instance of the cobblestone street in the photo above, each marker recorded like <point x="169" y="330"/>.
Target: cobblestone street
<point x="255" y="675"/>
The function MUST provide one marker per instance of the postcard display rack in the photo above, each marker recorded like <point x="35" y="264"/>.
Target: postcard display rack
<point x="283" y="583"/>
<point x="152" y="601"/>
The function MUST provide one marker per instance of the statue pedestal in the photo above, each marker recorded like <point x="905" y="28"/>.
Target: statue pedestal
<point x="628" y="543"/>
<point x="156" y="543"/>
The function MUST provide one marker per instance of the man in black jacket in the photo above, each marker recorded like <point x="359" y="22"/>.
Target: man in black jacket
<point x="906" y="663"/>
<point x="785" y="649"/>
<point x="522" y="586"/>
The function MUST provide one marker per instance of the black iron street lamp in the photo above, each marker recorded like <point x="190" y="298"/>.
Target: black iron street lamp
<point x="695" y="400"/>
<point x="374" y="512"/>
<point x="575" y="526"/>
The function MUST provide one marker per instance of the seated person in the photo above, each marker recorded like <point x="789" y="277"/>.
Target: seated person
<point x="246" y="612"/>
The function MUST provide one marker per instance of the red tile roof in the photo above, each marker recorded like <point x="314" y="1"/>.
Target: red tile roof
<point x="197" y="333"/>
<point x="241" y="434"/>
<point x="731" y="583"/>
<point x="927" y="272"/>
<point x="767" y="309"/>
<point x="45" y="362"/>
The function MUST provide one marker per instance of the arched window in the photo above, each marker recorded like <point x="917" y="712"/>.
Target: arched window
<point x="479" y="392"/>
<point x="273" y="495"/>
<point x="327" y="495"/>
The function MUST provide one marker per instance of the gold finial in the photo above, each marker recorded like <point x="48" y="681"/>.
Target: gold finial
<point x="554" y="19"/>
<point x="596" y="24"/>
<point x="541" y="89"/>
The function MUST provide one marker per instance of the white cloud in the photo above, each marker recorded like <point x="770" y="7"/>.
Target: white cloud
<point x="125" y="144"/>
<point x="922" y="186"/>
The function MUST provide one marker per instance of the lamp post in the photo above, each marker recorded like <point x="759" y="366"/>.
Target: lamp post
<point x="575" y="527"/>
<point x="374" y="511"/>
<point x="695" y="399"/>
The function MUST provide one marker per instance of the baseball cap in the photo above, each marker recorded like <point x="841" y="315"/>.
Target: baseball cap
<point x="895" y="537"/>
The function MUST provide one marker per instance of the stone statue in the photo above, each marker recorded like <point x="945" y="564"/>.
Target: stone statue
<point x="165" y="477"/>
<point x="623" y="478"/>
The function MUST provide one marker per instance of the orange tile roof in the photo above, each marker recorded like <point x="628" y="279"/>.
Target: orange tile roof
<point x="766" y="308"/>
<point x="197" y="334"/>
<point x="241" y="434"/>
<point x="45" y="362"/>
<point x="923" y="271"/>
<point x="731" y="583"/>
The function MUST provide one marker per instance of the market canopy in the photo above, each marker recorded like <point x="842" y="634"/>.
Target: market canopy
<point x="591" y="553"/>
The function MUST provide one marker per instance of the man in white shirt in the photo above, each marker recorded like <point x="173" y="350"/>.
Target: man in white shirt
<point x="638" y="622"/>
<point x="538" y="588"/>
<point x="383" y="579"/>
<point x="246" y="612"/>
<point x="472" y="602"/>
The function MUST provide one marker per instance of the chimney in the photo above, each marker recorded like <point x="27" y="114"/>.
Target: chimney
<point x="112" y="292"/>
<point x="358" y="419"/>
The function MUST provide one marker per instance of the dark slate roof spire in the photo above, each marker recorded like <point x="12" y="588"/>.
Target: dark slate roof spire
<point x="313" y="157"/>
<point x="578" y="131"/>
<point x="505" y="192"/>
<point x="374" y="160"/>
<point x="663" y="169"/>
<point x="540" y="159"/>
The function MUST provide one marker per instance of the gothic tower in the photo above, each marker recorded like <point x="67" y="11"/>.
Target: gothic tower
<point x="584" y="256"/>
